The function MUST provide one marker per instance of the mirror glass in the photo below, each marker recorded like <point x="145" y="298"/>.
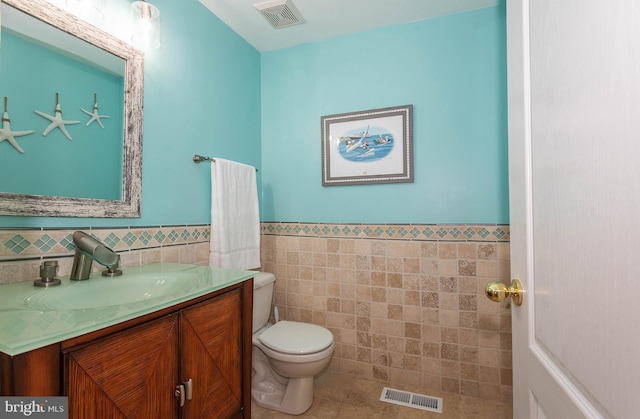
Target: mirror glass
<point x="71" y="138"/>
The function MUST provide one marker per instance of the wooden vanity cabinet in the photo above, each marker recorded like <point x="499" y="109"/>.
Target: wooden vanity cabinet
<point x="133" y="371"/>
<point x="211" y="356"/>
<point x="131" y="374"/>
<point x="43" y="379"/>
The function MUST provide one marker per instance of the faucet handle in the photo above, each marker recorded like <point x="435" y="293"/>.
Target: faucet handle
<point x="48" y="270"/>
<point x="112" y="270"/>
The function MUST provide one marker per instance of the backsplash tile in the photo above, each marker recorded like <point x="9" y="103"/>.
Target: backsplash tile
<point x="22" y="244"/>
<point x="22" y="250"/>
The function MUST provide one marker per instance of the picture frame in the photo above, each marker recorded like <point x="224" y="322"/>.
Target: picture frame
<point x="368" y="147"/>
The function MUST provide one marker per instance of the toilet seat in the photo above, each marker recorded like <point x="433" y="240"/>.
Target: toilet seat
<point x="296" y="338"/>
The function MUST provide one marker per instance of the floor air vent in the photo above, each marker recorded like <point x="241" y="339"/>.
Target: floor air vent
<point x="418" y="401"/>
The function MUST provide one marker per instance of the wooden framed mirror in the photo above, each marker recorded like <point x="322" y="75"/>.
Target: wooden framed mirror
<point x="125" y="123"/>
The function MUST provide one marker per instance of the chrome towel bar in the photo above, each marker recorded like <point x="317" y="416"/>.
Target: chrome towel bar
<point x="198" y="158"/>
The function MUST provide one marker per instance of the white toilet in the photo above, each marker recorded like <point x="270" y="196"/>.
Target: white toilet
<point x="286" y="355"/>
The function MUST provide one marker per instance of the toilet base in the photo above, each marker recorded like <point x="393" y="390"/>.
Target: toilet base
<point x="294" y="399"/>
<point x="292" y="396"/>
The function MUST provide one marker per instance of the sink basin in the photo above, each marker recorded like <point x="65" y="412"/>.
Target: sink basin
<point x="33" y="317"/>
<point x="100" y="292"/>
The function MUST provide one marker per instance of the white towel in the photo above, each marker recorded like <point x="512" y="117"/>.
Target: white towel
<point x="235" y="216"/>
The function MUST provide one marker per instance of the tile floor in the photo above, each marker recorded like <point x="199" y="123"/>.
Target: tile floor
<point x="343" y="396"/>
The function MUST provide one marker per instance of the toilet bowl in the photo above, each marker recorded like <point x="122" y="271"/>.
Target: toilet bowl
<point x="286" y="355"/>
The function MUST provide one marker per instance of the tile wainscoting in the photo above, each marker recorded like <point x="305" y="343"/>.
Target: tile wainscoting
<point x="405" y="302"/>
<point x="23" y="250"/>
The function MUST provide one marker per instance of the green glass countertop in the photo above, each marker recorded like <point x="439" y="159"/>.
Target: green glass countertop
<point x="33" y="317"/>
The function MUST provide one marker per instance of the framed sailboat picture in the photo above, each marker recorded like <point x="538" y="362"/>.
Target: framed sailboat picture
<point x="374" y="146"/>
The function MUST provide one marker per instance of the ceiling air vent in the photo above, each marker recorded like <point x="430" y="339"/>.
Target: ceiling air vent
<point x="280" y="13"/>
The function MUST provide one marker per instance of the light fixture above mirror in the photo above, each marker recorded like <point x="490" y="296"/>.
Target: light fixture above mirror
<point x="145" y="19"/>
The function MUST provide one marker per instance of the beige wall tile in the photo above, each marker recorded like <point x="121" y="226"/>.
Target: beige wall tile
<point x="415" y="312"/>
<point x="401" y="310"/>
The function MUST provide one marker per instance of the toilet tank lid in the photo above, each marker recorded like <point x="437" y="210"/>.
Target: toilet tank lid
<point x="296" y="338"/>
<point x="262" y="279"/>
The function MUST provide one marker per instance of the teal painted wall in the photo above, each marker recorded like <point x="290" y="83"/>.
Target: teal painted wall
<point x="202" y="96"/>
<point x="208" y="92"/>
<point x="452" y="69"/>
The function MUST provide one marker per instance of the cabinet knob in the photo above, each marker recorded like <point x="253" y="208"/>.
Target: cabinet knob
<point x="184" y="391"/>
<point x="180" y="394"/>
<point x="188" y="388"/>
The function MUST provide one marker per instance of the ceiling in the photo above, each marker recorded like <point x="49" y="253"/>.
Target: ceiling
<point x="329" y="18"/>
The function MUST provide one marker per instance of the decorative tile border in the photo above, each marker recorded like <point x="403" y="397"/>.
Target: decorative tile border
<point x="34" y="243"/>
<point x="425" y="232"/>
<point x="26" y="243"/>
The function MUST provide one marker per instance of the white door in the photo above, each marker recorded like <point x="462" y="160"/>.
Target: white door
<point x="574" y="156"/>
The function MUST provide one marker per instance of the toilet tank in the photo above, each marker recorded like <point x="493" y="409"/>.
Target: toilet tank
<point x="262" y="294"/>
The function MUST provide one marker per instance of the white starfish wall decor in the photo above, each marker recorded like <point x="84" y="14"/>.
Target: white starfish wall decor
<point x="7" y="134"/>
<point x="57" y="121"/>
<point x="94" y="115"/>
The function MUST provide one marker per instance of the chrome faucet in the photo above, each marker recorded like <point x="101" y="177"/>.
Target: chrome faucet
<point x="89" y="249"/>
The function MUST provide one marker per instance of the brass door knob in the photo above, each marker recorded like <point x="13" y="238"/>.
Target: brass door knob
<point x="497" y="291"/>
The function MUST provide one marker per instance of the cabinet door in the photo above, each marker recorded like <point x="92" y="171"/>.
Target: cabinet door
<point x="211" y="345"/>
<point x="131" y="374"/>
